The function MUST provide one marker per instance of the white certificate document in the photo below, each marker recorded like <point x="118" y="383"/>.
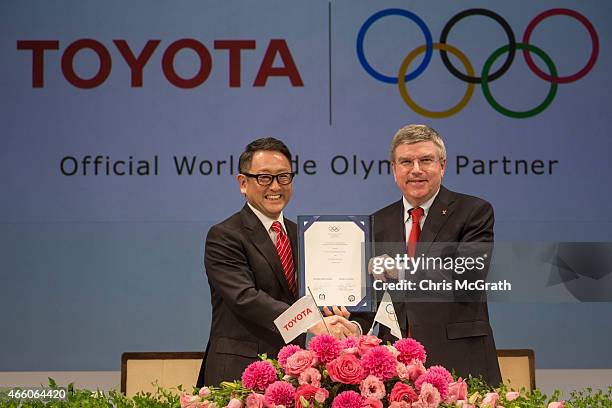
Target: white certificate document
<point x="334" y="262"/>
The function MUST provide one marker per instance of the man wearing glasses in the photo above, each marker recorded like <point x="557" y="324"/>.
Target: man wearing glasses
<point x="455" y="332"/>
<point x="251" y="264"/>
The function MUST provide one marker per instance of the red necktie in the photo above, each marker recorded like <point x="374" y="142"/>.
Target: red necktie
<point x="415" y="231"/>
<point x="283" y="247"/>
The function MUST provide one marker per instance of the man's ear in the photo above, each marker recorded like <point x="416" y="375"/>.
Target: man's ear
<point x="443" y="165"/>
<point x="242" y="182"/>
<point x="393" y="171"/>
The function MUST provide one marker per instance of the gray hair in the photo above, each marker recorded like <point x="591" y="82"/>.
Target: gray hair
<point x="412" y="134"/>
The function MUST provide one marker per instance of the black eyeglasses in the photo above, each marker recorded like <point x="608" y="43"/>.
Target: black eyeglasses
<point x="266" y="179"/>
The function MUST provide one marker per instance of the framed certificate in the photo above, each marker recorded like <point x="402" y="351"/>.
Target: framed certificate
<point x="333" y="253"/>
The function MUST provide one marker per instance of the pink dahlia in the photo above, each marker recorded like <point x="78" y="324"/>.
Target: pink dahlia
<point x="349" y="342"/>
<point x="347" y="399"/>
<point x="437" y="376"/>
<point x="410" y="349"/>
<point x="287" y="352"/>
<point x="258" y="375"/>
<point x="325" y="346"/>
<point x="280" y="393"/>
<point x="379" y="362"/>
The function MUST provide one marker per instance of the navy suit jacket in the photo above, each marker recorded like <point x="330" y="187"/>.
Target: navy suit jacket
<point x="456" y="334"/>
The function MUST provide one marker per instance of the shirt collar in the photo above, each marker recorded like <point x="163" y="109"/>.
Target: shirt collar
<point x="267" y="221"/>
<point x="425" y="206"/>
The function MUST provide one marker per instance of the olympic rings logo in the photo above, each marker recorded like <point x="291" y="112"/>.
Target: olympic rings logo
<point x="486" y="76"/>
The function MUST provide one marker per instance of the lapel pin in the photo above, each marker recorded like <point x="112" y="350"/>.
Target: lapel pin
<point x="444" y="212"/>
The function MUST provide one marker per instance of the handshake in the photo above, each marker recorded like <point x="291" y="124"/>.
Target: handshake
<point x="379" y="268"/>
<point x="337" y="323"/>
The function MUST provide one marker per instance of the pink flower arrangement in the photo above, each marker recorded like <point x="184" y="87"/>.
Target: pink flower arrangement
<point x="365" y="343"/>
<point x="372" y="403"/>
<point x="372" y="388"/>
<point x="258" y="375"/>
<point x="410" y="349"/>
<point x="357" y="372"/>
<point x="402" y="392"/>
<point x="306" y="391"/>
<point x="310" y="376"/>
<point x="287" y="352"/>
<point x="254" y="400"/>
<point x="429" y="397"/>
<point x="345" y="369"/>
<point x="349" y="342"/>
<point x="279" y="393"/>
<point x="490" y="400"/>
<point x="379" y="362"/>
<point x="300" y="361"/>
<point x="437" y="376"/>
<point x="325" y="347"/>
<point x="347" y="399"/>
<point x="457" y="390"/>
<point x="511" y="395"/>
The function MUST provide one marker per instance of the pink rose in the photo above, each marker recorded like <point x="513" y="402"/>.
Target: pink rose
<point x="234" y="403"/>
<point x="558" y="404"/>
<point x="490" y="400"/>
<point x="345" y="369"/>
<point x="400" y="404"/>
<point x="402" y="392"/>
<point x="321" y="395"/>
<point x="307" y="391"/>
<point x="188" y="401"/>
<point x="310" y="376"/>
<point x="372" y="403"/>
<point x="456" y="391"/>
<point x="512" y="395"/>
<point x="367" y="342"/>
<point x="372" y="388"/>
<point x="255" y="400"/>
<point x="300" y="361"/>
<point x="414" y="370"/>
<point x="204" y="392"/>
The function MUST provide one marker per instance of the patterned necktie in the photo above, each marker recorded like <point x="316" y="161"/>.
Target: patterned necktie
<point x="415" y="231"/>
<point x="283" y="247"/>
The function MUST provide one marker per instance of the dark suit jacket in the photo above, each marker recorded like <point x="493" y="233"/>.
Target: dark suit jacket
<point x="248" y="291"/>
<point x="455" y="334"/>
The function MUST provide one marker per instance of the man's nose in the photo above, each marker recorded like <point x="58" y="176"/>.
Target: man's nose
<point x="275" y="185"/>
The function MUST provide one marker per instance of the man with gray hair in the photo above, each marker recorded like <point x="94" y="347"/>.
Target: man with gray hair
<point x="456" y="334"/>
